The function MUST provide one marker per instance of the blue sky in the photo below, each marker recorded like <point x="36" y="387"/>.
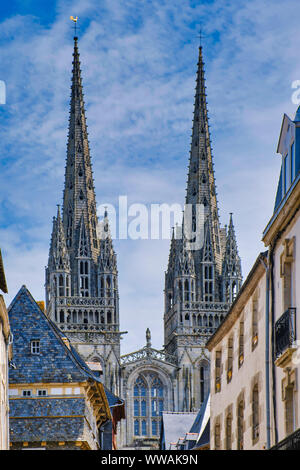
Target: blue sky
<point x="138" y="66"/>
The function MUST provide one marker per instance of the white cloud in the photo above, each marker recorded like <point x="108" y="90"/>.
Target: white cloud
<point x="138" y="65"/>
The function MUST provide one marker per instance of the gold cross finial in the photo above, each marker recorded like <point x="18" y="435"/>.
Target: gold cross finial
<point x="75" y="22"/>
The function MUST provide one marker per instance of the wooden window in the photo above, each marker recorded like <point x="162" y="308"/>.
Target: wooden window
<point x="229" y="431"/>
<point x="290" y="410"/>
<point x="217" y="436"/>
<point x="240" y="425"/>
<point x="254" y="323"/>
<point x="241" y="344"/>
<point x="218" y="371"/>
<point x="230" y="359"/>
<point x="255" y="413"/>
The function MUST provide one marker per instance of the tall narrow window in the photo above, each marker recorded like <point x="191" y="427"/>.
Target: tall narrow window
<point x="204" y="380"/>
<point x="84" y="278"/>
<point x="254" y="323"/>
<point x="230" y="359"/>
<point x="287" y="286"/>
<point x="208" y="283"/>
<point x="229" y="431"/>
<point x="241" y="343"/>
<point x="255" y="413"/>
<point x="290" y="410"/>
<point x="217" y="436"/>
<point x="240" y="425"/>
<point x="61" y="285"/>
<point x="293" y="162"/>
<point x="218" y="371"/>
<point x="286" y="173"/>
<point x="186" y="290"/>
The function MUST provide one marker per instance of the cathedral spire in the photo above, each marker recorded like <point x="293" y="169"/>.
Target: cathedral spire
<point x="201" y="188"/>
<point x="79" y="196"/>
<point x="232" y="270"/>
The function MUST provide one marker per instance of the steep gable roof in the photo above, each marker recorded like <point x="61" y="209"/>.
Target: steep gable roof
<point x="55" y="362"/>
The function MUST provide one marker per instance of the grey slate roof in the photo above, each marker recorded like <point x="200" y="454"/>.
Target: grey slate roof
<point x="55" y="363"/>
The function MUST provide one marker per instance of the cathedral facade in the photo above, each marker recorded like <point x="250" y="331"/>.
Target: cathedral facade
<point x="202" y="279"/>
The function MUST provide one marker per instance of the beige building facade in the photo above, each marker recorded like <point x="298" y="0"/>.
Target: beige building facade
<point x="282" y="237"/>
<point x="255" y="362"/>
<point x="237" y="369"/>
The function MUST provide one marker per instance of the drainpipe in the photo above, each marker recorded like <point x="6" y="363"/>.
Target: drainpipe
<point x="267" y="353"/>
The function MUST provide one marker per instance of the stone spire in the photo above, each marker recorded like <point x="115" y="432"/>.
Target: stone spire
<point x="232" y="270"/>
<point x="194" y="285"/>
<point x="83" y="299"/>
<point x="58" y="253"/>
<point x="79" y="196"/>
<point x="58" y="270"/>
<point x="201" y="188"/>
<point x="107" y="262"/>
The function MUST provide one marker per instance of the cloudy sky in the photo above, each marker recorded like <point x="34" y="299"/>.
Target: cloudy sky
<point x="138" y="62"/>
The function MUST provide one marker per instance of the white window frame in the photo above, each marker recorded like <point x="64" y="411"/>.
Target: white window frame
<point x="35" y="346"/>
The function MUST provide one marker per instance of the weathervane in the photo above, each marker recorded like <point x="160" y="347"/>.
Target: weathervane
<point x="75" y="23"/>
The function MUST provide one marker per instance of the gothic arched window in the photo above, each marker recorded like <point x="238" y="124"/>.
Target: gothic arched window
<point x="148" y="403"/>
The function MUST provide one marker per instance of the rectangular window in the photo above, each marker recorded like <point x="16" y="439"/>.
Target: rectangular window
<point x="230" y="359"/>
<point x="218" y="371"/>
<point x="241" y="344"/>
<point x="35" y="347"/>
<point x="293" y="162"/>
<point x="42" y="393"/>
<point x="287" y="175"/>
<point x="26" y="393"/>
<point x="290" y="415"/>
<point x="254" y="323"/>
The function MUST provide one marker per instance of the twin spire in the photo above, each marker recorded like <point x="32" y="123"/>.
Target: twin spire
<point x="79" y="195"/>
<point x="75" y="235"/>
<point x="217" y="258"/>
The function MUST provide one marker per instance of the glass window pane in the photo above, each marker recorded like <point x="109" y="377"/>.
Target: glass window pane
<point x="144" y="428"/>
<point x="293" y="161"/>
<point x="286" y="173"/>
<point x="154" y="428"/>
<point x="136" y="408"/>
<point x="136" y="428"/>
<point x="154" y="407"/>
<point x="143" y="408"/>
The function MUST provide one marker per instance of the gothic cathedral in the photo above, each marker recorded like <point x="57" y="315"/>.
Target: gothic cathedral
<point x="200" y="283"/>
